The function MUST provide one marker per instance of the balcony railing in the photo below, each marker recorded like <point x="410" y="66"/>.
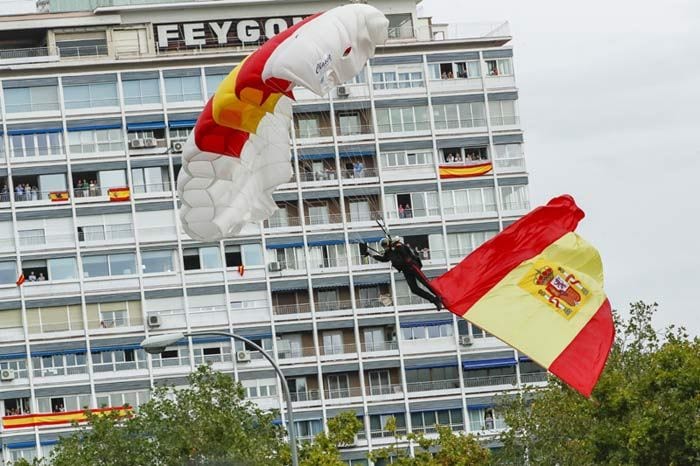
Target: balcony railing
<point x="413" y="213"/>
<point x="323" y="219"/>
<point x="464" y="123"/>
<point x="510" y="379"/>
<point x="37" y="195"/>
<point x="432" y="385"/>
<point x="384" y="390"/>
<point x="303" y="352"/>
<point x="152" y="188"/>
<point x="326" y="175"/>
<point x="487" y="424"/>
<point x="517" y="205"/>
<point x="37" y="153"/>
<point x="510" y="165"/>
<point x="286" y="309"/>
<point x="314" y="133"/>
<point x="306" y="395"/>
<point x="337" y="393"/>
<point x="128" y="365"/>
<point x="326" y="306"/>
<point x="354" y="130"/>
<point x="384" y="300"/>
<point x="505" y="120"/>
<point x="282" y="222"/>
<point x="433" y="429"/>
<point x="60" y="371"/>
<point x="360" y="174"/>
<point x="330" y="350"/>
<point x="533" y="377"/>
<point x="369" y="347"/>
<point x="378" y="433"/>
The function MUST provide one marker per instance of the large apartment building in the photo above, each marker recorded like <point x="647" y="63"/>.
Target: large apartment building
<point x="95" y="106"/>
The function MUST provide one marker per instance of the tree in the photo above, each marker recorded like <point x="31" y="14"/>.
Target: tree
<point x="644" y="410"/>
<point x="208" y="422"/>
<point x="448" y="449"/>
<point x="325" y="449"/>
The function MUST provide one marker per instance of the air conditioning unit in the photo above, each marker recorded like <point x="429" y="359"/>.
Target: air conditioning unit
<point x="154" y="321"/>
<point x="274" y="267"/>
<point x="465" y="340"/>
<point x="343" y="91"/>
<point x="243" y="356"/>
<point x="136" y="144"/>
<point x="7" y="375"/>
<point x="150" y="142"/>
<point x="177" y="146"/>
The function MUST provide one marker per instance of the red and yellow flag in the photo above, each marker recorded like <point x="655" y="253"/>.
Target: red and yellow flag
<point x="58" y="196"/>
<point x="464" y="171"/>
<point x="118" y="194"/>
<point x="21" y="279"/>
<point x="538" y="286"/>
<point x="53" y="419"/>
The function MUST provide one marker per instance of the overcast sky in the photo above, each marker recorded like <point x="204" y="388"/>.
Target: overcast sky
<point x="610" y="105"/>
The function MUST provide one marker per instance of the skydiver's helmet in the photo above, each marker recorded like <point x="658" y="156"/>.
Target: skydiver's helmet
<point x="388" y="244"/>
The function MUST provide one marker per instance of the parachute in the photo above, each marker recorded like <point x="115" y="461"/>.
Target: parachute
<point x="239" y="150"/>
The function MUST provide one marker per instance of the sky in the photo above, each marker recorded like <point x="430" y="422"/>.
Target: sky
<point x="610" y="105"/>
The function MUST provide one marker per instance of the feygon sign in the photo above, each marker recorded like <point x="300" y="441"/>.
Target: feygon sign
<point x="228" y="32"/>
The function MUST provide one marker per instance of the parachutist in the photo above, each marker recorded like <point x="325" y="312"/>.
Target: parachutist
<point x="404" y="259"/>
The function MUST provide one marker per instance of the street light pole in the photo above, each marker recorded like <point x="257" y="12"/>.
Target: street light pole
<point x="158" y="344"/>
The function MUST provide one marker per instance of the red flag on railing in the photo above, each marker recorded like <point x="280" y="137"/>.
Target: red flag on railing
<point x="20" y="280"/>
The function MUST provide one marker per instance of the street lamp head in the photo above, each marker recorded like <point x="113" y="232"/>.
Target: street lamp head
<point x="158" y="343"/>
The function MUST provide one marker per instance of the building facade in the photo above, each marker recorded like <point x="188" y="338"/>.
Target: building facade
<point x="95" y="106"/>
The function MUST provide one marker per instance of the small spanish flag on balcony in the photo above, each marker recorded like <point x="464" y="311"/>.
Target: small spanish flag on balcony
<point x="53" y="419"/>
<point x="464" y="171"/>
<point x="58" y="196"/>
<point x="241" y="270"/>
<point x="119" y="194"/>
<point x="21" y="280"/>
<point x="538" y="286"/>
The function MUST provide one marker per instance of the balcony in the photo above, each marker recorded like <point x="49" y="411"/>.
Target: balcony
<point x="341" y="393"/>
<point x="471" y="382"/>
<point x="510" y="165"/>
<point x="534" y="377"/>
<point x="336" y="350"/>
<point x="62" y="418"/>
<point x="384" y="390"/>
<point x="359" y="176"/>
<point x="323" y="219"/>
<point x="328" y="306"/>
<point x="487" y="424"/>
<point x="291" y="309"/>
<point x="374" y="346"/>
<point x="432" y="385"/>
<point x="354" y="132"/>
<point x="305" y="395"/>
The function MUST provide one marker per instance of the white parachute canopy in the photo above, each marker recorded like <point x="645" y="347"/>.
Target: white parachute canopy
<point x="221" y="192"/>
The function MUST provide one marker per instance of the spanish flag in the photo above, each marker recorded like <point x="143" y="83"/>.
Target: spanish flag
<point x="464" y="171"/>
<point x="21" y="280"/>
<point x="53" y="419"/>
<point x="538" y="286"/>
<point x="58" y="196"/>
<point x="119" y="194"/>
<point x="241" y="270"/>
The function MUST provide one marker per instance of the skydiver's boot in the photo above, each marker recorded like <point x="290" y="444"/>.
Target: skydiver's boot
<point x="438" y="303"/>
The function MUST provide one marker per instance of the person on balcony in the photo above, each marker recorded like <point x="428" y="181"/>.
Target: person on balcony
<point x="405" y="259"/>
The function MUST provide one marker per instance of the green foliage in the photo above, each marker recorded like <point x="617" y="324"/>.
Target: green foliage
<point x="645" y="409"/>
<point x="325" y="449"/>
<point x="448" y="449"/>
<point x="209" y="422"/>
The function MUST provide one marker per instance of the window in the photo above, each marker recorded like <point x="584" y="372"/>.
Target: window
<point x="93" y="141"/>
<point x="402" y="119"/>
<point x="468" y="69"/>
<point x="90" y="95"/>
<point x="183" y="89"/>
<point x="350" y="123"/>
<point x="202" y="258"/>
<point x="8" y="272"/>
<point x="308" y="127"/>
<point x="400" y="26"/>
<point x="34" y="237"/>
<point x="333" y="342"/>
<point x="120" y="399"/>
<point x="308" y="429"/>
<point x="468" y="201"/>
<point x="499" y="67"/>
<point x="426" y="332"/>
<point x="150" y="179"/>
<point x="338" y="386"/>
<point x="360" y="211"/>
<point x="141" y="92"/>
<point x="252" y="254"/>
<point x="378" y="422"/>
<point x="111" y="319"/>
<point x="432" y="374"/>
<point x="111" y="179"/>
<point x="17" y="406"/>
<point x="180" y="134"/>
<point x="461" y="244"/>
<point x="62" y="269"/>
<point x="157" y="261"/>
<point x="31" y="99"/>
<point x="331" y="255"/>
<point x="509" y="157"/>
<point x="36" y="144"/>
<point x="318" y="214"/>
<point x="287" y="258"/>
<point x="379" y="381"/>
<point x="111" y="265"/>
<point x="397" y="79"/>
<point x="426" y="421"/>
<point x="419" y="204"/>
<point x="462" y="115"/>
<point x="407" y="158"/>
<point x="514" y="197"/>
<point x="260" y="388"/>
<point x="213" y="81"/>
<point x="503" y="112"/>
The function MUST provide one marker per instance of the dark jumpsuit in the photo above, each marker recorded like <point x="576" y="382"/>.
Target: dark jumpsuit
<point x="406" y="261"/>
